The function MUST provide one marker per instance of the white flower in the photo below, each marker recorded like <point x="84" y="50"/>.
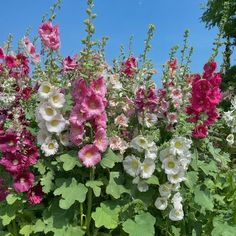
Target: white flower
<point x="142" y="186"/>
<point x="176" y="214"/>
<point x="47" y="112"/>
<point x="42" y="135"/>
<point x="64" y="139"/>
<point x="56" y="100"/>
<point x="161" y="203"/>
<point x="170" y="165"/>
<point x="45" y="90"/>
<point x="151" y="151"/>
<point x="122" y="120"/>
<point x="147" y="168"/>
<point x="179" y="145"/>
<point x="177" y="178"/>
<point x="165" y="190"/>
<point x="150" y="119"/>
<point x="116" y="84"/>
<point x="230" y="139"/>
<point x="177" y="201"/>
<point x="139" y="143"/>
<point x="50" y="147"/>
<point x="233" y="103"/>
<point x="131" y="165"/>
<point x="228" y="117"/>
<point x="165" y="153"/>
<point x="56" y="125"/>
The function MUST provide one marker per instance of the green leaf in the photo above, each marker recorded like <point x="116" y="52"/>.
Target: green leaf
<point x="142" y="225"/>
<point x="222" y="228"/>
<point x="95" y="185"/>
<point x="175" y="231"/>
<point x="191" y="179"/>
<point x="208" y="168"/>
<point x="106" y="215"/>
<point x="47" y="182"/>
<point x="152" y="180"/>
<point x="69" y="161"/>
<point x="115" y="187"/>
<point x="26" y="230"/>
<point x="71" y="191"/>
<point x="203" y="199"/>
<point x="12" y="198"/>
<point x="109" y="159"/>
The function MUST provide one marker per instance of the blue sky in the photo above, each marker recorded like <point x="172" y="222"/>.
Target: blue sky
<point x="118" y="19"/>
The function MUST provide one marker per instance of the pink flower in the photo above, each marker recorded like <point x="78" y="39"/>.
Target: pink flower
<point x="80" y="90"/>
<point x="23" y="182"/>
<point x="35" y="195"/>
<point x="31" y="51"/>
<point x="129" y="67"/>
<point x="210" y="67"/>
<point x="10" y="61"/>
<point x="101" y="121"/>
<point x="101" y="141"/>
<point x="172" y="117"/>
<point x="98" y="86"/>
<point x="89" y="155"/>
<point x="50" y="35"/>
<point x="93" y="105"/>
<point x="122" y="120"/>
<point x="214" y="97"/>
<point x="77" y="117"/>
<point x="69" y="64"/>
<point x="2" y="56"/>
<point x="76" y="134"/>
<point x="118" y="144"/>
<point x="200" y="132"/>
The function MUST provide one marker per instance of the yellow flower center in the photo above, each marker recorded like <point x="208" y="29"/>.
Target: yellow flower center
<point x="178" y="144"/>
<point x="49" y="111"/>
<point x="54" y="123"/>
<point x="50" y="145"/>
<point x="56" y="99"/>
<point x="134" y="164"/>
<point x="46" y="89"/>
<point x="171" y="164"/>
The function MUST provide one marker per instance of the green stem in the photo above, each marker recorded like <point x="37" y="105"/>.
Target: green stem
<point x="90" y="202"/>
<point x="81" y="215"/>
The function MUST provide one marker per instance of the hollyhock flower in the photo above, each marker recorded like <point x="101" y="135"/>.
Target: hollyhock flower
<point x="129" y="67"/>
<point x="176" y="200"/>
<point x="172" y="117"/>
<point x="122" y="120"/>
<point x="180" y="145"/>
<point x="210" y="67"/>
<point x="101" y="140"/>
<point x="56" y="100"/>
<point x="47" y="112"/>
<point x="230" y="139"/>
<point x="128" y="108"/>
<point x="2" y="56"/>
<point x="77" y="117"/>
<point x="65" y="138"/>
<point x="142" y="186"/>
<point x="165" y="153"/>
<point x="200" y="132"/>
<point x="50" y="147"/>
<point x="50" y="35"/>
<point x="26" y="93"/>
<point x="171" y="166"/>
<point x="151" y="151"/>
<point x="214" y="97"/>
<point x="176" y="214"/>
<point x="30" y="50"/>
<point x="93" y="105"/>
<point x="98" y="86"/>
<point x="114" y="80"/>
<point x="8" y="142"/>
<point x="42" y="135"/>
<point x="69" y="64"/>
<point x="161" y="203"/>
<point x="212" y="117"/>
<point x="139" y="143"/>
<point x="13" y="163"/>
<point x="76" y="134"/>
<point x="23" y="182"/>
<point x="101" y="120"/>
<point x="147" y="168"/>
<point x="35" y="195"/>
<point x="177" y="178"/>
<point x="165" y="190"/>
<point x="10" y="61"/>
<point x="56" y="124"/>
<point x="118" y="144"/>
<point x="150" y="119"/>
<point x="89" y="155"/>
<point x="45" y="90"/>
<point x="215" y="80"/>
<point x="132" y="165"/>
<point x="80" y="90"/>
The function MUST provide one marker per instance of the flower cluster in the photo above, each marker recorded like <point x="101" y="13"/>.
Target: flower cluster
<point x="206" y="96"/>
<point x="175" y="161"/>
<point x="135" y="167"/>
<point x="30" y="50"/>
<point x="50" y="120"/>
<point x="90" y="104"/>
<point x="49" y="35"/>
<point x="230" y="119"/>
<point x="129" y="67"/>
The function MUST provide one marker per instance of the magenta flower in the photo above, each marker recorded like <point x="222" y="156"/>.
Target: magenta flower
<point x="23" y="182"/>
<point x="76" y="134"/>
<point x="35" y="195"/>
<point x="8" y="143"/>
<point x="93" y="105"/>
<point x="80" y="90"/>
<point x="100" y="121"/>
<point x="50" y="35"/>
<point x="69" y="64"/>
<point x="98" y="86"/>
<point x="77" y="117"/>
<point x="89" y="155"/>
